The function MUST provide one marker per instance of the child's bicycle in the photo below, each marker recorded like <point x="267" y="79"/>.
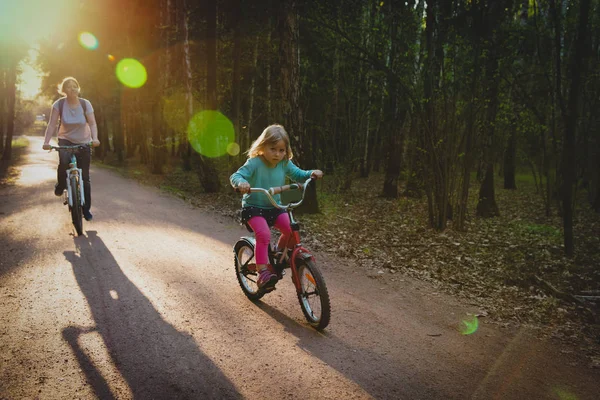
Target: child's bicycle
<point x="306" y="276"/>
<point x="74" y="196"/>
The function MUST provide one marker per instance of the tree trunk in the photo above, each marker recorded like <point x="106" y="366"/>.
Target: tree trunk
<point x="485" y="207"/>
<point x="510" y="159"/>
<point x="205" y="167"/>
<point x="117" y="122"/>
<point x="394" y="125"/>
<point x="3" y="106"/>
<point x="268" y="74"/>
<point x="157" y="142"/>
<point x="570" y="134"/>
<point x="245" y="144"/>
<point x="290" y="94"/>
<point x="236" y="85"/>
<point x="11" y="94"/>
<point x="188" y="80"/>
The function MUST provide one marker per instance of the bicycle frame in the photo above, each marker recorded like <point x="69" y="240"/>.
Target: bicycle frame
<point x="298" y="251"/>
<point x="72" y="170"/>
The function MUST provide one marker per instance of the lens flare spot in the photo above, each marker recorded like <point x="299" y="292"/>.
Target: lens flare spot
<point x="233" y="149"/>
<point x="88" y="41"/>
<point x="111" y="58"/>
<point x="469" y="325"/>
<point x="210" y="132"/>
<point x="564" y="395"/>
<point x="131" y="73"/>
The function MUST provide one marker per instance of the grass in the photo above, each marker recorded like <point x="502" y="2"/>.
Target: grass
<point x="8" y="171"/>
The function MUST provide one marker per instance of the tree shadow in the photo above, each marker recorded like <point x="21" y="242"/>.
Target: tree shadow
<point x="155" y="359"/>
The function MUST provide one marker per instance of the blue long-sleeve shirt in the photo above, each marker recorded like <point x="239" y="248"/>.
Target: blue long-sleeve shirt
<point x="258" y="174"/>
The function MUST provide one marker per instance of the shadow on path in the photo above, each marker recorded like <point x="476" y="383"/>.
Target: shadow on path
<point x="379" y="375"/>
<point x="155" y="359"/>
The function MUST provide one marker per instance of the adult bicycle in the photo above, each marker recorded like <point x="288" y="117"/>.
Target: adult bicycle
<point x="307" y="278"/>
<point x="74" y="194"/>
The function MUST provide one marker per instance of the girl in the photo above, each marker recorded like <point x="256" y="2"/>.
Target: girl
<point x="268" y="164"/>
<point x="77" y="126"/>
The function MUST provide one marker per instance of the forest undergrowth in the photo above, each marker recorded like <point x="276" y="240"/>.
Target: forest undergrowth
<point x="511" y="267"/>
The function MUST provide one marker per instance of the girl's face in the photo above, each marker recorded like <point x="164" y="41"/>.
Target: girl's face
<point x="274" y="153"/>
<point x="71" y="89"/>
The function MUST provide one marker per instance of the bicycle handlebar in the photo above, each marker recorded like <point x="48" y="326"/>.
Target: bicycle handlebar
<point x="78" y="146"/>
<point x="271" y="191"/>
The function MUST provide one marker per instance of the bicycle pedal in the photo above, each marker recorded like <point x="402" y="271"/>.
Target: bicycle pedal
<point x="269" y="289"/>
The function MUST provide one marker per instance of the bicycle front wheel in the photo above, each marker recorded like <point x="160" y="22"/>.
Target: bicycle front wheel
<point x="313" y="297"/>
<point x="245" y="270"/>
<point x="76" y="209"/>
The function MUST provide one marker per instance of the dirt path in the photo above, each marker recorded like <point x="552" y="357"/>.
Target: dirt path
<point x="146" y="305"/>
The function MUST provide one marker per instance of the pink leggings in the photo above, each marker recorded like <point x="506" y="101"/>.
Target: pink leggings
<point x="262" y="233"/>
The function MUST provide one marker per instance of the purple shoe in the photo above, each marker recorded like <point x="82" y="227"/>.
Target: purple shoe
<point x="266" y="280"/>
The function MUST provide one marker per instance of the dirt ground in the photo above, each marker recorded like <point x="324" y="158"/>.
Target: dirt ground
<point x="146" y="305"/>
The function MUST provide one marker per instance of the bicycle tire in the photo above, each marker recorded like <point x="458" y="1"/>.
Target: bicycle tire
<point x="76" y="209"/>
<point x="318" y="311"/>
<point x="248" y="280"/>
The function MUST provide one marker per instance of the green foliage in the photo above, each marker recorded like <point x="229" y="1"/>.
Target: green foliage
<point x="529" y="229"/>
<point x="20" y="142"/>
<point x="543" y="230"/>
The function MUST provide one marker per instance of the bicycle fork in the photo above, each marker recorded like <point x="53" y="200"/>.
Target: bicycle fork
<point x="74" y="171"/>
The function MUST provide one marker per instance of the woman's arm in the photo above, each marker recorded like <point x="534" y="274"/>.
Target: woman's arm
<point x="51" y="128"/>
<point x="91" y="119"/>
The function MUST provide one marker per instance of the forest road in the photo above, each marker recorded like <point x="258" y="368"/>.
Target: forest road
<point x="146" y="305"/>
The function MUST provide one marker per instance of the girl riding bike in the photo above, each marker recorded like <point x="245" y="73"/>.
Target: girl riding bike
<point x="269" y="163"/>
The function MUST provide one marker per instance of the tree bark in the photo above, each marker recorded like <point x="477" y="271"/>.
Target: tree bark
<point x="2" y="108"/>
<point x="290" y="94"/>
<point x="510" y="156"/>
<point x="570" y="134"/>
<point x="188" y="82"/>
<point x="487" y="207"/>
<point x="396" y="115"/>
<point x="11" y="94"/>
<point x="247" y="138"/>
<point x="236" y="85"/>
<point x="205" y="167"/>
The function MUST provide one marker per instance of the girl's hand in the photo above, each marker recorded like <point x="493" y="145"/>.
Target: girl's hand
<point x="317" y="174"/>
<point x="243" y="187"/>
<point x="95" y="143"/>
<point x="47" y="146"/>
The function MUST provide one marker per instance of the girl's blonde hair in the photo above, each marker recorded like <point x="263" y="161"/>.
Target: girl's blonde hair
<point x="61" y="86"/>
<point x="271" y="135"/>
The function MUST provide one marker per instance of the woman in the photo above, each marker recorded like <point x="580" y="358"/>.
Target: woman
<point x="77" y="126"/>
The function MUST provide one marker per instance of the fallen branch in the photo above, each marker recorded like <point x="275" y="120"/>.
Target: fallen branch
<point x="589" y="298"/>
<point x="590" y="292"/>
<point x="557" y="293"/>
<point x="568" y="297"/>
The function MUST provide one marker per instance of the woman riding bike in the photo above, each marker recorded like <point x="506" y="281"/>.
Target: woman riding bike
<point x="77" y="126"/>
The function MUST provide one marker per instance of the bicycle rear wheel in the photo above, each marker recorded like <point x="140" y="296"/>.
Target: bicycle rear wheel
<point x="245" y="270"/>
<point x="76" y="209"/>
<point x="313" y="298"/>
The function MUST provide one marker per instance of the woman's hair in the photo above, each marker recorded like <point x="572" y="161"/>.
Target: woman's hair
<point x="61" y="86"/>
<point x="271" y="135"/>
